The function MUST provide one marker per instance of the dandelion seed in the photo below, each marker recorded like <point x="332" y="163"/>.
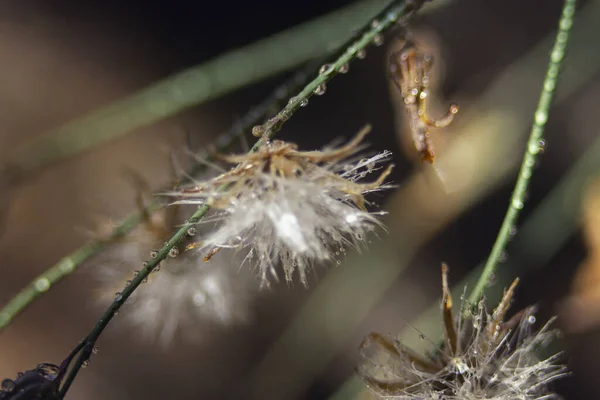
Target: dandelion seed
<point x="183" y="295"/>
<point x="290" y="207"/>
<point x="482" y="357"/>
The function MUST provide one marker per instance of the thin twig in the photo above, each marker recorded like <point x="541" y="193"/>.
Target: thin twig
<point x="535" y="146"/>
<point x="68" y="264"/>
<point x="384" y="20"/>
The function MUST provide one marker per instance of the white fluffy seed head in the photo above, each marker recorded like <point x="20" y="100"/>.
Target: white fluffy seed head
<point x="500" y="365"/>
<point x="291" y="208"/>
<point x="181" y="297"/>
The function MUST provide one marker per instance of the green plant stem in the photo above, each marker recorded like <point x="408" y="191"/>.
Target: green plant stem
<point x="67" y="265"/>
<point x="207" y="81"/>
<point x="535" y="146"/>
<point x="355" y="47"/>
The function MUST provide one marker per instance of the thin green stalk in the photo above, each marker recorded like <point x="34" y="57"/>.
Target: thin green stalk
<point x="355" y="48"/>
<point x="215" y="78"/>
<point x="535" y="146"/>
<point x="67" y="265"/>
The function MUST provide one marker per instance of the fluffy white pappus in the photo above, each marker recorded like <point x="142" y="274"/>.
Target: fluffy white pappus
<point x="291" y="208"/>
<point x="292" y="222"/>
<point x="181" y="298"/>
<point x="482" y="358"/>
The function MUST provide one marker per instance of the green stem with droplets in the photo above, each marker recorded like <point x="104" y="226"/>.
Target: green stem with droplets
<point x="354" y="48"/>
<point x="68" y="264"/>
<point x="215" y="78"/>
<point x="535" y="146"/>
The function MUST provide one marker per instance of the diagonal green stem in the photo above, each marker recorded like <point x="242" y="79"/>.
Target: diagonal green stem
<point x="68" y="264"/>
<point x="196" y="85"/>
<point x="402" y="9"/>
<point x="535" y="146"/>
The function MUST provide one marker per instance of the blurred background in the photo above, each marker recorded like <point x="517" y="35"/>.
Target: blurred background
<point x="62" y="60"/>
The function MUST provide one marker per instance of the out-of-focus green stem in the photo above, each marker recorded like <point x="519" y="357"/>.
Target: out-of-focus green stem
<point x="535" y="146"/>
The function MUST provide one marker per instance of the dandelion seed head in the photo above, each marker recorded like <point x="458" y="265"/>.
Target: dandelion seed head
<point x="482" y="357"/>
<point x="185" y="296"/>
<point x="291" y="208"/>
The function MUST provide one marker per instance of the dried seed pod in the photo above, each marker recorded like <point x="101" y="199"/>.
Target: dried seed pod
<point x="409" y="70"/>
<point x="482" y="356"/>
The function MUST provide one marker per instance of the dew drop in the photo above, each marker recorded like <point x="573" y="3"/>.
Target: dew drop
<point x="378" y="40"/>
<point x="338" y="262"/>
<point x="320" y="90"/>
<point x="118" y="296"/>
<point x="562" y="37"/>
<point x="42" y="284"/>
<point x="518" y="204"/>
<point x="154" y="254"/>
<point x="144" y="264"/>
<point x="344" y="68"/>
<point x="565" y="24"/>
<point x="361" y="54"/>
<point x="326" y="69"/>
<point x="95" y="350"/>
<point x="8" y="385"/>
<point x="531" y="319"/>
<point x="191" y="231"/>
<point x="541" y="117"/>
<point x="392" y="16"/>
<point x="549" y="85"/>
<point x="174" y="252"/>
<point x="542" y="145"/>
<point x="304" y="103"/>
<point x="557" y="55"/>
<point x="503" y="256"/>
<point x="258" y="130"/>
<point x="86" y="363"/>
<point x="421" y="336"/>
<point x="512" y="231"/>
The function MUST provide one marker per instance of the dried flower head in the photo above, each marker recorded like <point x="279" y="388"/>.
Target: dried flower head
<point x="482" y="357"/>
<point x="410" y="69"/>
<point x="289" y="206"/>
<point x="182" y="294"/>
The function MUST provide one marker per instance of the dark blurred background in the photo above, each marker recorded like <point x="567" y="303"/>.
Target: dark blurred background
<point x="62" y="59"/>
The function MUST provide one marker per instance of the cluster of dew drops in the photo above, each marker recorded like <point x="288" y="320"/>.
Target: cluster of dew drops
<point x="173" y="252"/>
<point x="329" y="70"/>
